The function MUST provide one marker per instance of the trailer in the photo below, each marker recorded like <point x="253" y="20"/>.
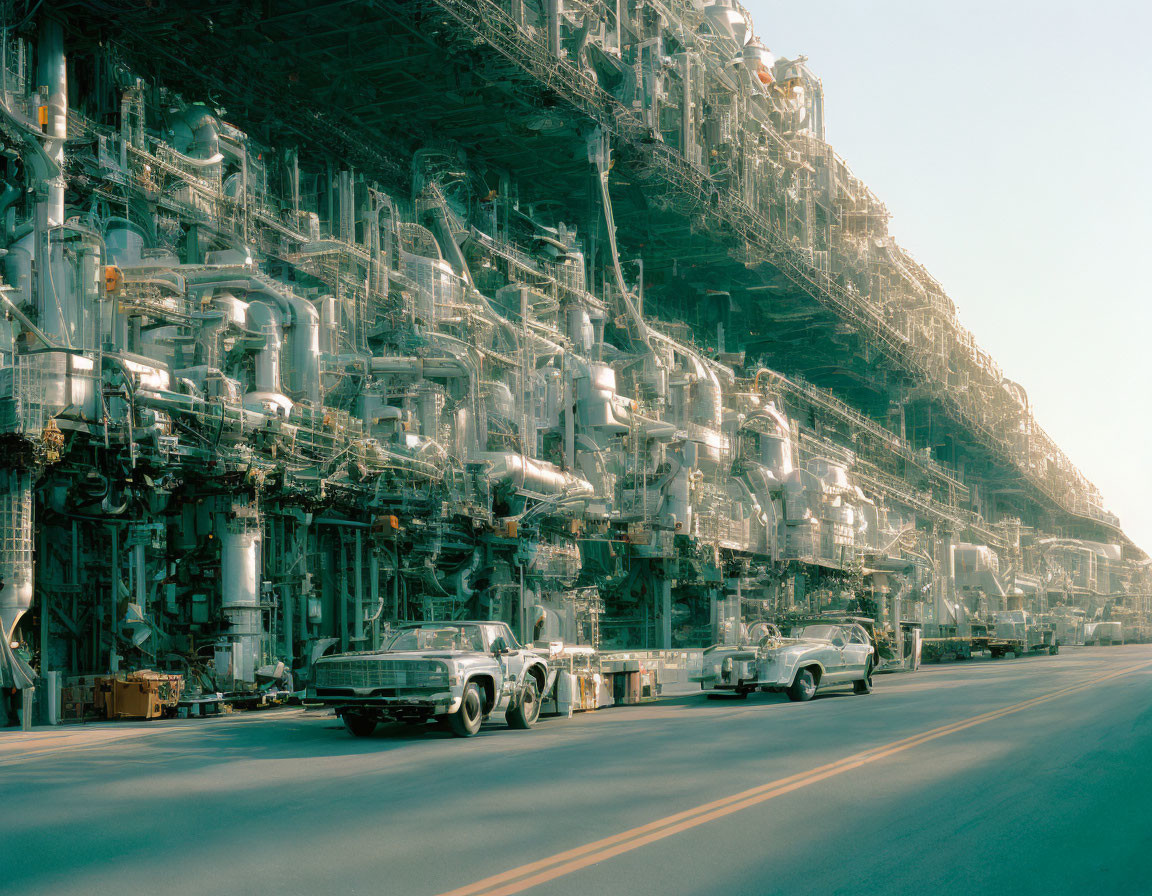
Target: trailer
<point x="949" y="645"/>
<point x="1104" y="634"/>
<point x="1069" y="625"/>
<point x="1018" y="633"/>
<point x="1014" y="632"/>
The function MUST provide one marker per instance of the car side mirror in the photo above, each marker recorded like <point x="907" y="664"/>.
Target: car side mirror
<point x="499" y="646"/>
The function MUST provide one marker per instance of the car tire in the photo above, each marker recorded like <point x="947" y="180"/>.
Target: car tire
<point x="864" y="686"/>
<point x="524" y="714"/>
<point x="465" y="722"/>
<point x="359" y="725"/>
<point x="803" y="687"/>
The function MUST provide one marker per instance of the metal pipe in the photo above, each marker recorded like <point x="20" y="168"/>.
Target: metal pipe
<point x="114" y="594"/>
<point x="53" y="74"/>
<point x="374" y="593"/>
<point x="419" y="368"/>
<point x="358" y="578"/>
<point x="23" y="318"/>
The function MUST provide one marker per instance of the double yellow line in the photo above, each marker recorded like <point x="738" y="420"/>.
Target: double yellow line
<point x="535" y="873"/>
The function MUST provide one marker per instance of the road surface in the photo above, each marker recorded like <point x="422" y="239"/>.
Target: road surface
<point x="1017" y="776"/>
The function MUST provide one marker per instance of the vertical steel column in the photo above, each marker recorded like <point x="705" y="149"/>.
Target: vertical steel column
<point x="665" y="613"/>
<point x="114" y="596"/>
<point x="396" y="580"/>
<point x="357" y="572"/>
<point x="53" y="74"/>
<point x="342" y="592"/>
<point x="374" y="594"/>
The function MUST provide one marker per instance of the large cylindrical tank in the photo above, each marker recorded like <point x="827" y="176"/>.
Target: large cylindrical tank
<point x="124" y="242"/>
<point x="240" y="568"/>
<point x="303" y="369"/>
<point x="429" y="406"/>
<point x="195" y="133"/>
<point x="580" y="330"/>
<point x="240" y="546"/>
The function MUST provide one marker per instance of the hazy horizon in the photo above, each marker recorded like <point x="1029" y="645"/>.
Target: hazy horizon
<point x="1006" y="140"/>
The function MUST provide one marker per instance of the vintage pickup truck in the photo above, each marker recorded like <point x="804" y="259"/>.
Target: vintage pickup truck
<point x="459" y="673"/>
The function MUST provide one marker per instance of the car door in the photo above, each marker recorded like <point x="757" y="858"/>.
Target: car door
<point x="856" y="652"/>
<point x="510" y="659"/>
<point x="832" y="656"/>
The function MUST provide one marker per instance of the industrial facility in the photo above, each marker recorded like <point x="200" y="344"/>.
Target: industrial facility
<point x="324" y="317"/>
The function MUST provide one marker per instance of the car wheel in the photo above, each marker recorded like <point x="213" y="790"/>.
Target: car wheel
<point x="525" y="713"/>
<point x="803" y="687"/>
<point x="864" y="686"/>
<point x="359" y="725"/>
<point x="466" y="720"/>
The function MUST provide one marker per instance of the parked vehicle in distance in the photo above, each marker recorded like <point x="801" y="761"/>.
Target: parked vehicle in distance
<point x="1104" y="633"/>
<point x="814" y="655"/>
<point x="459" y="673"/>
<point x="1017" y="632"/>
<point x="1068" y="623"/>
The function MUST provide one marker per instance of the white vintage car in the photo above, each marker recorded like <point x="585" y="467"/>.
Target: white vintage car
<point x="814" y="656"/>
<point x="457" y="672"/>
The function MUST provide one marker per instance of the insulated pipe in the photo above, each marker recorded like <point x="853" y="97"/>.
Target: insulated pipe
<point x="203" y="147"/>
<point x="23" y="318"/>
<point x="305" y="342"/>
<point x="53" y="73"/>
<point x="569" y="392"/>
<point x="514" y="469"/>
<point x="299" y="314"/>
<point x="634" y="317"/>
<point x="420" y="368"/>
<point x="687" y="119"/>
<point x="448" y="243"/>
<point x="303" y="339"/>
<point x="267" y="322"/>
<point x="554" y="10"/>
<point x="208" y="339"/>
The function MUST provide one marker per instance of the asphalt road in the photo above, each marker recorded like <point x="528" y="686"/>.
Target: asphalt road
<point x="1015" y="776"/>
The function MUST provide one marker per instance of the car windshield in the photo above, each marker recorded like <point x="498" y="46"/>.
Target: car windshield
<point x="438" y="637"/>
<point x="821" y="632"/>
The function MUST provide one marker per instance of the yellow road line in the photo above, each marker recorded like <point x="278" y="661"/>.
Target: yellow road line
<point x="533" y="874"/>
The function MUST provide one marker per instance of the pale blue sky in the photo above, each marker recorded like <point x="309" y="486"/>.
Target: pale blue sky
<point x="1011" y="143"/>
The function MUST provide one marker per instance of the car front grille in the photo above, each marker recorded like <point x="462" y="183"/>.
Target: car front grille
<point x="380" y="674"/>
